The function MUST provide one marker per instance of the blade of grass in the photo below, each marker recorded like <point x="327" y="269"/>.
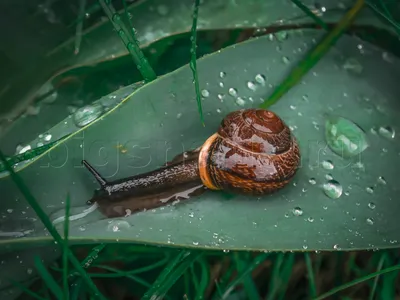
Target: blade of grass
<point x="274" y="285"/>
<point x="119" y="273"/>
<point x="240" y="276"/>
<point x="309" y="13"/>
<point x="194" y="278"/>
<point x="130" y="41"/>
<point x="47" y="223"/>
<point x="248" y="283"/>
<point x="29" y="154"/>
<point x="48" y="279"/>
<point x="76" y="289"/>
<point x="205" y="277"/>
<point x="376" y="280"/>
<point x="25" y="289"/>
<point x="171" y="274"/>
<point x="311" y="281"/>
<point x="285" y="275"/>
<point x="65" y="246"/>
<point x="78" y="32"/>
<point x="313" y="56"/>
<point x="223" y="283"/>
<point x="193" y="64"/>
<point x="385" y="17"/>
<point x="357" y="281"/>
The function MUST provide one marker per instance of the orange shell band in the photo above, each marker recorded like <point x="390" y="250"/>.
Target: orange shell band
<point x="204" y="152"/>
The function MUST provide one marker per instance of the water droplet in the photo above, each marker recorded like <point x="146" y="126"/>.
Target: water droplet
<point x="205" y="93"/>
<point x="87" y="114"/>
<point x="10" y="210"/>
<point x="222" y="74"/>
<point x="232" y="92"/>
<point x="305" y="98"/>
<point x="344" y="137"/>
<point x="312" y="181"/>
<point x="328" y="176"/>
<point x="305" y="247"/>
<point x="221" y="97"/>
<point x="23" y="149"/>
<point x="297" y="211"/>
<point x="47" y="137"/>
<point x="332" y="189"/>
<point x="310" y="219"/>
<point x="370" y="221"/>
<point x="292" y="107"/>
<point x="327" y="165"/>
<point x="260" y="78"/>
<point x="387" y="132"/>
<point x="116" y="18"/>
<point x="353" y="65"/>
<point x="336" y="247"/>
<point x="240" y="101"/>
<point x="218" y="110"/>
<point x="281" y="35"/>
<point x="251" y="86"/>
<point x="116" y="226"/>
<point x="370" y="190"/>
<point x="191" y="214"/>
<point x="179" y="115"/>
<point x="195" y="243"/>
<point x="221" y="84"/>
<point x="382" y="180"/>
<point x="371" y="205"/>
<point x="285" y="60"/>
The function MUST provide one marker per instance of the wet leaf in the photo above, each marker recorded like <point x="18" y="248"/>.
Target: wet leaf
<point x="159" y="120"/>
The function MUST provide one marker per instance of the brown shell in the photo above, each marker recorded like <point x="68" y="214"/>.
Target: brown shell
<point x="253" y="152"/>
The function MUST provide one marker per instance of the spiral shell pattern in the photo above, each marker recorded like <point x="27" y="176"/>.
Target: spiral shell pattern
<point x="253" y="152"/>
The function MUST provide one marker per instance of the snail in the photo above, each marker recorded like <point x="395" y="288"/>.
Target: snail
<point x="253" y="153"/>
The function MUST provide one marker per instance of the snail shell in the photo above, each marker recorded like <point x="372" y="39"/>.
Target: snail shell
<point x="253" y="152"/>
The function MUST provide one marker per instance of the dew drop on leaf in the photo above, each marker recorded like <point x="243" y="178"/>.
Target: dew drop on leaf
<point x="240" y="101"/>
<point x="297" y="211"/>
<point x="370" y="221"/>
<point x="260" y="78"/>
<point x="205" y="93"/>
<point x="353" y="65"/>
<point x="87" y="114"/>
<point x="232" y="92"/>
<point x="387" y="132"/>
<point x="285" y="60"/>
<point x="251" y="85"/>
<point x="382" y="180"/>
<point x="327" y="165"/>
<point x="344" y="137"/>
<point x="370" y="190"/>
<point x="332" y="189"/>
<point x="222" y="74"/>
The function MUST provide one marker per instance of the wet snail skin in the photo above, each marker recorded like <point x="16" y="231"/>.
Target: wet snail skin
<point x="253" y="153"/>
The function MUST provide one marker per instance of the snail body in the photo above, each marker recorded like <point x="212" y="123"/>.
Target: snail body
<point x="253" y="152"/>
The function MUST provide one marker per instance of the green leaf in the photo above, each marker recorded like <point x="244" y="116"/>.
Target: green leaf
<point x="158" y="121"/>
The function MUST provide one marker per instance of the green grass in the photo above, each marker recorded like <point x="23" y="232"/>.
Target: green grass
<point x="167" y="273"/>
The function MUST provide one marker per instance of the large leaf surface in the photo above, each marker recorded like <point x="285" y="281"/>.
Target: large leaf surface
<point x="161" y="120"/>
